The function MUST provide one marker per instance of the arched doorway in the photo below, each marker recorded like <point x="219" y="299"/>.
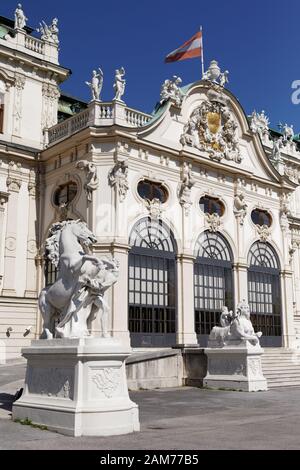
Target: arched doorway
<point x="264" y="293"/>
<point x="152" y="285"/>
<point x="213" y="282"/>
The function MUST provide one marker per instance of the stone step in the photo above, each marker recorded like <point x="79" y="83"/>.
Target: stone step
<point x="285" y="383"/>
<point x="282" y="375"/>
<point x="279" y="370"/>
<point x="280" y="367"/>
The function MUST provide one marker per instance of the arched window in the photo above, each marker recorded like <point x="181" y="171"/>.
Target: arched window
<point x="152" y="285"/>
<point x="264" y="292"/>
<point x="213" y="282"/>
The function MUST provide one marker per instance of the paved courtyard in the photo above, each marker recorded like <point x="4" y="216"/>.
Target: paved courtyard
<point x="182" y="418"/>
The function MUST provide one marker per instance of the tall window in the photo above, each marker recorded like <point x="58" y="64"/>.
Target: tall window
<point x="213" y="282"/>
<point x="51" y="273"/>
<point x="2" y="91"/>
<point x="152" y="285"/>
<point x="264" y="292"/>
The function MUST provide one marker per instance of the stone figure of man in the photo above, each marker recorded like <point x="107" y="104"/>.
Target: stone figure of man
<point x="96" y="84"/>
<point x="20" y="18"/>
<point x="119" y="85"/>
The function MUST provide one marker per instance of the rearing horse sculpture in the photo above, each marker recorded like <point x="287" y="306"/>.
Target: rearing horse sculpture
<point x="77" y="294"/>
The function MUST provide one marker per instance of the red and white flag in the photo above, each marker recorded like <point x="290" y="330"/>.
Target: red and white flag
<point x="190" y="49"/>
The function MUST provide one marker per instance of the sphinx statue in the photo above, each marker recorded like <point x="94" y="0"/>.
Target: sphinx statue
<point x="235" y="327"/>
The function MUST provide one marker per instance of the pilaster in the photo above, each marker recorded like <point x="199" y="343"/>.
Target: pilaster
<point x="185" y="300"/>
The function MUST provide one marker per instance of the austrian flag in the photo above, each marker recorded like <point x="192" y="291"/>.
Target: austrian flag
<point x="190" y="49"/>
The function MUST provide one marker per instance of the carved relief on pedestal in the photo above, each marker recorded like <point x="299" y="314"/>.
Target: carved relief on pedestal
<point x="212" y="128"/>
<point x="226" y="367"/>
<point x="254" y="366"/>
<point x="107" y="380"/>
<point x="185" y="187"/>
<point x="51" y="381"/>
<point x="118" y="178"/>
<point x="17" y="112"/>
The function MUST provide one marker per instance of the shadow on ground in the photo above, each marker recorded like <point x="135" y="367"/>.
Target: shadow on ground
<point x="6" y="401"/>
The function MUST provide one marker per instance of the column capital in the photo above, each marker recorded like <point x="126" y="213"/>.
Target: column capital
<point x="112" y="246"/>
<point x="186" y="257"/>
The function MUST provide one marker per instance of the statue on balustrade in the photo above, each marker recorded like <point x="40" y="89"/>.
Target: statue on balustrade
<point x="69" y="306"/>
<point x="49" y="33"/>
<point x="119" y="85"/>
<point x="96" y="84"/>
<point x="20" y="18"/>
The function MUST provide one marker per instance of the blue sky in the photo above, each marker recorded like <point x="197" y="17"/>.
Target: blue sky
<point x="257" y="41"/>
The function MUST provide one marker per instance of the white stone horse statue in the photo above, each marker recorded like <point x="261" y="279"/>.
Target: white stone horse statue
<point x="72" y="302"/>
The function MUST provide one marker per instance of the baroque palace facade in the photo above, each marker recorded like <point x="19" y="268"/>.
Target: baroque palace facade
<point x="198" y="202"/>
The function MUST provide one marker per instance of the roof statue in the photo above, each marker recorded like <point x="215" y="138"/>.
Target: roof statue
<point x="170" y="90"/>
<point x="288" y="132"/>
<point x="260" y="124"/>
<point x="20" y="18"/>
<point x="49" y="33"/>
<point x="214" y="74"/>
<point x="275" y="156"/>
<point x="119" y="85"/>
<point x="96" y="84"/>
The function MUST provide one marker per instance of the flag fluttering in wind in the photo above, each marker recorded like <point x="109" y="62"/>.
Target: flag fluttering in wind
<point x="190" y="49"/>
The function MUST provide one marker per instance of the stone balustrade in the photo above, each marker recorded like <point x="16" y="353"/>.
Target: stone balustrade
<point x="135" y="118"/>
<point x="34" y="44"/>
<point x="19" y="40"/>
<point x="97" y="114"/>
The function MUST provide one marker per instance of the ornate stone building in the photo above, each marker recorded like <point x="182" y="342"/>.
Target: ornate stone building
<point x="199" y="203"/>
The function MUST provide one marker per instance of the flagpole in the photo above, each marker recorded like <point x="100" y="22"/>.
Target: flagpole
<point x="202" y="53"/>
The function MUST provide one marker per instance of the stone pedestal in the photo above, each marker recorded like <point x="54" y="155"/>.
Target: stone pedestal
<point x="236" y="366"/>
<point x="78" y="387"/>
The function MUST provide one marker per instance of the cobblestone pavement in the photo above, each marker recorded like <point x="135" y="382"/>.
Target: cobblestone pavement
<point x="181" y="418"/>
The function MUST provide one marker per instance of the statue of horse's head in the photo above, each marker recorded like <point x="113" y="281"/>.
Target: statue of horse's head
<point x="83" y="233"/>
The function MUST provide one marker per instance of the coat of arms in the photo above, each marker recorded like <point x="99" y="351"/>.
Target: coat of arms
<point x="212" y="128"/>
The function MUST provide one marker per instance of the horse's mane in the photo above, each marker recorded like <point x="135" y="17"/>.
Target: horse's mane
<point x="52" y="242"/>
